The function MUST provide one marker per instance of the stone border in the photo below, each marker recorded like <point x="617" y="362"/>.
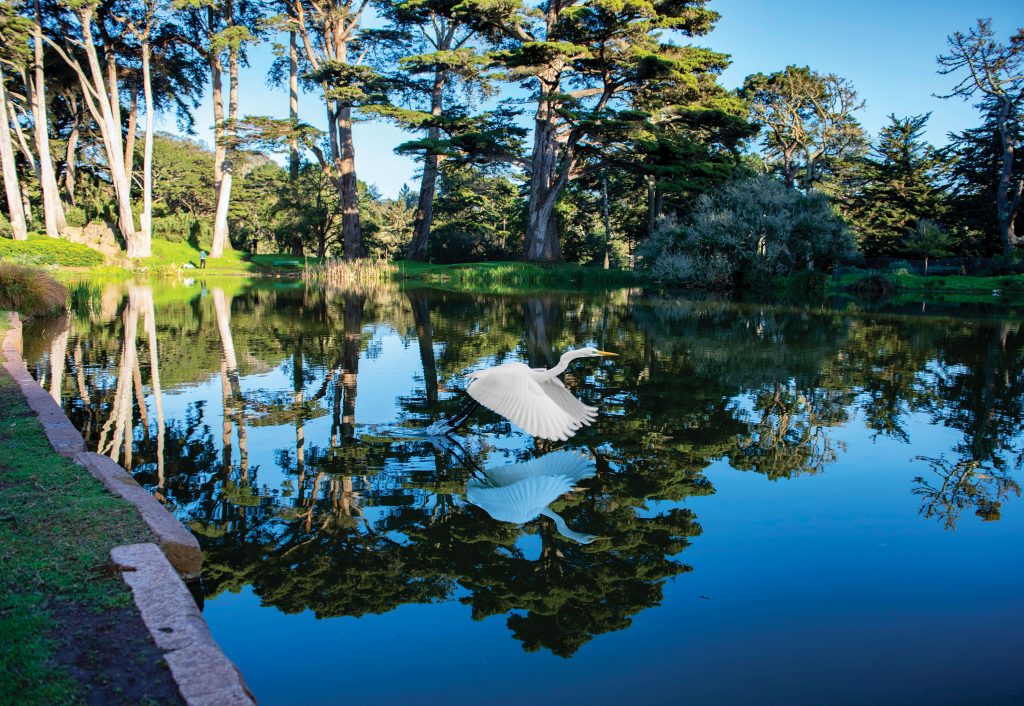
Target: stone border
<point x="205" y="676"/>
<point x="180" y="545"/>
<point x="154" y="572"/>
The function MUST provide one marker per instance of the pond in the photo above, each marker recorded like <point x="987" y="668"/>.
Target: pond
<point x="775" y="504"/>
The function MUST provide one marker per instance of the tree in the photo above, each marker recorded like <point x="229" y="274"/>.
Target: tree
<point x="586" y="61"/>
<point x="927" y="240"/>
<point x="432" y="43"/>
<point x="995" y="71"/>
<point x="900" y="183"/>
<point x="976" y="157"/>
<point x="808" y="116"/>
<point x="330" y="34"/>
<point x="216" y="28"/>
<point x="99" y="82"/>
<point x="11" y="54"/>
<point x="53" y="210"/>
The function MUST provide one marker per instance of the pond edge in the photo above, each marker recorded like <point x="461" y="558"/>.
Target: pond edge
<point x="155" y="573"/>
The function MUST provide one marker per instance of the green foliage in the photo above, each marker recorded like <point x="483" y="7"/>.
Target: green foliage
<point x="183" y="227"/>
<point x="477" y="216"/>
<point x="900" y="184"/>
<point x="41" y="250"/>
<point x="748" y="232"/>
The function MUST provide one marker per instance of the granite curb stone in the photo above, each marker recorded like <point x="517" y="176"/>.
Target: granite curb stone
<point x="205" y="676"/>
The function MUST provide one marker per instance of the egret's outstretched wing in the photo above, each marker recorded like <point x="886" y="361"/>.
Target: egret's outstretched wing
<point x="520" y="502"/>
<point x="511" y="391"/>
<point x="570" y="464"/>
<point x="555" y="389"/>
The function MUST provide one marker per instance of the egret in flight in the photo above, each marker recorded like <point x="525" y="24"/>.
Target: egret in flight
<point x="534" y="399"/>
<point x="521" y="492"/>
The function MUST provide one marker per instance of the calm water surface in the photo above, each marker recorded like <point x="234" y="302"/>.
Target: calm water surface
<point x="790" y="505"/>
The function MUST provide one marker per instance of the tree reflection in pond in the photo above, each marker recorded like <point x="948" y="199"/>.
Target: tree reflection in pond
<point x="252" y="430"/>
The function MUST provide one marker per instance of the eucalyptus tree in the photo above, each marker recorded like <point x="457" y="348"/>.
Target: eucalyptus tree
<point x="219" y="29"/>
<point x="808" y="116"/>
<point x="993" y="70"/>
<point x="11" y="54"/>
<point x="53" y="209"/>
<point x="81" y="33"/>
<point x="585" y="61"/>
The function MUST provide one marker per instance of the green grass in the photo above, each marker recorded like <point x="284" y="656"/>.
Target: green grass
<point x="57" y="526"/>
<point x="31" y="291"/>
<point x="41" y="250"/>
<point x="510" y="276"/>
<point x="951" y="288"/>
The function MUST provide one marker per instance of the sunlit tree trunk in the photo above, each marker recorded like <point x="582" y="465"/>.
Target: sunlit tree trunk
<point x="12" y="185"/>
<point x="146" y="220"/>
<point x="53" y="210"/>
<point x="220" y="222"/>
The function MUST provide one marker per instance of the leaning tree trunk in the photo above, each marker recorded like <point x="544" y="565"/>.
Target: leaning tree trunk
<point x="12" y="188"/>
<point x="53" y="210"/>
<point x="293" y="106"/>
<point x="428" y="184"/>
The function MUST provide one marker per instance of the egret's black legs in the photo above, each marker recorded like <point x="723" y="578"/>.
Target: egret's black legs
<point x="460" y="417"/>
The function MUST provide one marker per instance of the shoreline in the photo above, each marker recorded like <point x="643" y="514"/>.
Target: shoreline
<point x="155" y="571"/>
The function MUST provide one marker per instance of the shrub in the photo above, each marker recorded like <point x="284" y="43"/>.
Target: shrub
<point x="183" y="228"/>
<point x="749" y="231"/>
<point x="75" y="216"/>
<point x="31" y="292"/>
<point x="41" y="250"/>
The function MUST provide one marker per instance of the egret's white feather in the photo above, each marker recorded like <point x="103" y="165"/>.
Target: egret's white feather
<point x="542" y="408"/>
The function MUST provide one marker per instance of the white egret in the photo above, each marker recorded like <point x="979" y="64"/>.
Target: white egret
<point x="533" y="399"/>
<point x="521" y="492"/>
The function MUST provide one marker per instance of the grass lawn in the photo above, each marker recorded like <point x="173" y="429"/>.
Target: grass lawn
<point x="68" y="627"/>
<point x="512" y="276"/>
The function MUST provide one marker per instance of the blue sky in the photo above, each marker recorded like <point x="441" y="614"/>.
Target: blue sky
<point x="887" y="49"/>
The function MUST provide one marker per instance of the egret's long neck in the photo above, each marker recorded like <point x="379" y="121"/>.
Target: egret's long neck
<point x="563" y="529"/>
<point x="563" y="363"/>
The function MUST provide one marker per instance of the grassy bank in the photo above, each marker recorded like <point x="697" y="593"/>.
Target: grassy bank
<point x="968" y="289"/>
<point x="66" y="618"/>
<point x="510" y="277"/>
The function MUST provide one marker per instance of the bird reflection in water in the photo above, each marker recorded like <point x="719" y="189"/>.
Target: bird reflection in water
<point x="521" y="492"/>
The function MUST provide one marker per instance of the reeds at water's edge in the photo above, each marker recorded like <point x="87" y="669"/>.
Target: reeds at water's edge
<point x="339" y="272"/>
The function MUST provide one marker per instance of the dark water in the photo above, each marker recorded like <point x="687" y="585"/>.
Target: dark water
<point x="792" y="506"/>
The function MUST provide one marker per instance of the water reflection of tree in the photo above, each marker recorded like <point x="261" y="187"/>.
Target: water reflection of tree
<point x="358" y="527"/>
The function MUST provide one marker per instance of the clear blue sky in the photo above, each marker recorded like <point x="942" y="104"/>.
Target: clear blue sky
<point x="886" y="48"/>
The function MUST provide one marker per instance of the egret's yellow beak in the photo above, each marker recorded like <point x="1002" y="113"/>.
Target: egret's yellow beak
<point x="606" y="353"/>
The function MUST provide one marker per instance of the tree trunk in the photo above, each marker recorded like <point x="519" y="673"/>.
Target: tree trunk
<point x="1005" y="211"/>
<point x="130" y="135"/>
<point x="607" y="221"/>
<point x="70" y="159"/>
<point x="220" y="222"/>
<point x="652" y="205"/>
<point x="351" y="233"/>
<point x="107" y="115"/>
<point x="53" y="211"/>
<point x="425" y="207"/>
<point x="12" y="188"/>
<point x="147" y="150"/>
<point x="542" y="242"/>
<point x="293" y="105"/>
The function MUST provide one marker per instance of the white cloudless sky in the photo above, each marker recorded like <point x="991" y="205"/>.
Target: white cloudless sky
<point x="887" y="49"/>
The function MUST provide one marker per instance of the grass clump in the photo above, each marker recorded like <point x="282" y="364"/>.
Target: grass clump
<point x="57" y="526"/>
<point x="30" y="291"/>
<point x="41" y="250"/>
<point x="346" y="273"/>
